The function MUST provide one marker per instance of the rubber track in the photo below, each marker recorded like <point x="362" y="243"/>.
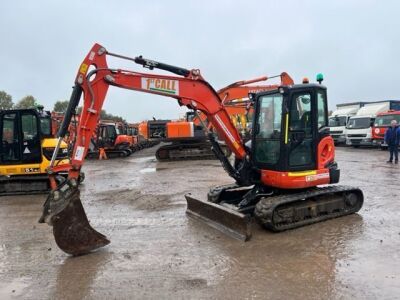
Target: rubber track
<point x="116" y="153"/>
<point x="265" y="208"/>
<point x="32" y="185"/>
<point x="206" y="156"/>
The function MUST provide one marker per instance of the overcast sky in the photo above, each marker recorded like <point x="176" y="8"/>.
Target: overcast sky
<point x="355" y="44"/>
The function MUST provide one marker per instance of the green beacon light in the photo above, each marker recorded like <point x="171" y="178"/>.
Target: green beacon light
<point x="320" y="77"/>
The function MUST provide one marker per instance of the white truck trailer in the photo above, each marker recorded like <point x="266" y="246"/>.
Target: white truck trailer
<point x="359" y="127"/>
<point x="339" y="118"/>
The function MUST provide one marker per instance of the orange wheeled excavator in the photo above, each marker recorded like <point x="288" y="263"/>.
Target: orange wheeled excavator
<point x="276" y="178"/>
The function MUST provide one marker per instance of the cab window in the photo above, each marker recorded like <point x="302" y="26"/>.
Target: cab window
<point x="268" y="130"/>
<point x="10" y="139"/>
<point x="322" y="110"/>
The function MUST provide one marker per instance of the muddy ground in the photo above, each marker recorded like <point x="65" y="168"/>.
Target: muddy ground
<point x="156" y="251"/>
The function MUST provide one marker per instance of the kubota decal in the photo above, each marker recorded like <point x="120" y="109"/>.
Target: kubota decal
<point x="258" y="90"/>
<point x="161" y="85"/>
<point x="227" y="132"/>
<point x="317" y="176"/>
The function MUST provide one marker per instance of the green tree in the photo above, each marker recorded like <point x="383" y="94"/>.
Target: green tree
<point x="61" y="106"/>
<point x="5" y="100"/>
<point x="106" y="116"/>
<point x="26" y="102"/>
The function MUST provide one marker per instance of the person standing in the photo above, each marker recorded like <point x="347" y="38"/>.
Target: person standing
<point x="392" y="139"/>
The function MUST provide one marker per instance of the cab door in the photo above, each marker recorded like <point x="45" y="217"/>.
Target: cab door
<point x="301" y="142"/>
<point x="20" y="137"/>
<point x="10" y="138"/>
<point x="267" y="131"/>
<point x="107" y="136"/>
<point x="31" y="138"/>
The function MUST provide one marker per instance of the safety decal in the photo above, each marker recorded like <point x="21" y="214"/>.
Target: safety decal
<point x="79" y="153"/>
<point x="83" y="68"/>
<point x="91" y="55"/>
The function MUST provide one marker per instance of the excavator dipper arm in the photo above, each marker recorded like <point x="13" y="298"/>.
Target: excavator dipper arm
<point x="63" y="208"/>
<point x="241" y="89"/>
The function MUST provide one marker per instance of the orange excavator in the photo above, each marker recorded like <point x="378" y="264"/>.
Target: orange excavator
<point x="276" y="178"/>
<point x="139" y="141"/>
<point x="187" y="139"/>
<point x="118" y="139"/>
<point x="113" y="138"/>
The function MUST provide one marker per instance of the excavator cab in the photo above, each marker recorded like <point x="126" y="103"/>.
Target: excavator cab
<point x="26" y="148"/>
<point x="289" y="124"/>
<point x="114" y="139"/>
<point x="107" y="134"/>
<point x="21" y="137"/>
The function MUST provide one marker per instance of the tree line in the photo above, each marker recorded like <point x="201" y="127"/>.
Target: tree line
<point x="29" y="101"/>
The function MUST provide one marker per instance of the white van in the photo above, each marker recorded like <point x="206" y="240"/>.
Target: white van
<point x="339" y="118"/>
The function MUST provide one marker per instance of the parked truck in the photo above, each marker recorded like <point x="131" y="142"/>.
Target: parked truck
<point x="381" y="124"/>
<point x="359" y="127"/>
<point x="339" y="118"/>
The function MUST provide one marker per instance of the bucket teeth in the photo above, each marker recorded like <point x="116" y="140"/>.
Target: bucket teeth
<point x="230" y="222"/>
<point x="72" y="232"/>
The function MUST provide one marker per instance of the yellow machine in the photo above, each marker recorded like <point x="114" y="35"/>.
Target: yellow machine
<point x="27" y="145"/>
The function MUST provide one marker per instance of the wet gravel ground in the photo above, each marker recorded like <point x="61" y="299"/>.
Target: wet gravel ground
<point x="156" y="251"/>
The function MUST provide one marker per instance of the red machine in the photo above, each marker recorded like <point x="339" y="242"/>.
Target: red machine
<point x="276" y="177"/>
<point x="381" y="124"/>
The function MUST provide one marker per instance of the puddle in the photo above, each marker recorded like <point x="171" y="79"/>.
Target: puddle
<point x="148" y="170"/>
<point x="14" y="288"/>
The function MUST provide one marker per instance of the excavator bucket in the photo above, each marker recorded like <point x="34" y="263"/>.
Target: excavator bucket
<point x="64" y="211"/>
<point x="230" y="222"/>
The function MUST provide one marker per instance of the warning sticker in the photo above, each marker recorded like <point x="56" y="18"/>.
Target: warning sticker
<point x="91" y="55"/>
<point x="79" y="153"/>
<point x="84" y="67"/>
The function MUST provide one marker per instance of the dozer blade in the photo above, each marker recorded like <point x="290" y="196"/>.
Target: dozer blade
<point x="230" y="222"/>
<point x="72" y="232"/>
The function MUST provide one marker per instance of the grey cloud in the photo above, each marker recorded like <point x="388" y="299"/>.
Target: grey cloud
<point x="353" y="43"/>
